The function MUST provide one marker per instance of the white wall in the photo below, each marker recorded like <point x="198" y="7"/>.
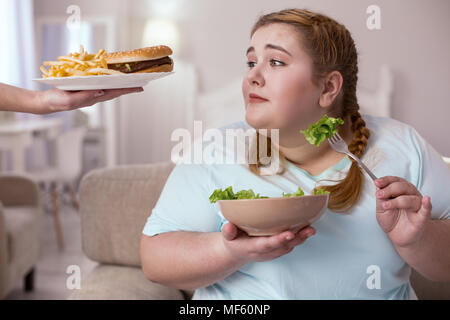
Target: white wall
<point x="413" y="40"/>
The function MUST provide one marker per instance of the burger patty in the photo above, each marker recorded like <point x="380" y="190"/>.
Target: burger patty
<point x="131" y="67"/>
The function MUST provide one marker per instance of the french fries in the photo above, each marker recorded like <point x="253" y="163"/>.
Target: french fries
<point x="78" y="64"/>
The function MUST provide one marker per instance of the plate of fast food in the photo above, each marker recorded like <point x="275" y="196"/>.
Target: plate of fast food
<point x="102" y="70"/>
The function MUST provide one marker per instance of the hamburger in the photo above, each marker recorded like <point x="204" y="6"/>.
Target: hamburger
<point x="144" y="60"/>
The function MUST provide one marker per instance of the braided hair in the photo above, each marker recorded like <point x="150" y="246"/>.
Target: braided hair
<point x="331" y="47"/>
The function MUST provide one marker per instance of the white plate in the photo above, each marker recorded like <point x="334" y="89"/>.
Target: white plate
<point x="103" y="81"/>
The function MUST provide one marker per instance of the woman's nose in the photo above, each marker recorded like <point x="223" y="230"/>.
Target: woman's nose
<point x="255" y="78"/>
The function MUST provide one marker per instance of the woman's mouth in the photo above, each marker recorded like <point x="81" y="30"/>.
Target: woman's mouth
<point x="254" y="98"/>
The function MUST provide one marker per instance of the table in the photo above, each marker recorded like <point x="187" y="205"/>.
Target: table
<point x="16" y="136"/>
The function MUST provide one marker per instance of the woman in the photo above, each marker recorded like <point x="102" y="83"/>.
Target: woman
<point x="303" y="65"/>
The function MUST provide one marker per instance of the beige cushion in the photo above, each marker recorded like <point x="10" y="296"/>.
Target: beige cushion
<point x="115" y="204"/>
<point x="18" y="191"/>
<point x="23" y="231"/>
<point x="108" y="282"/>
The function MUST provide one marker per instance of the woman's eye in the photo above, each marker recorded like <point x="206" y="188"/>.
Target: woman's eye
<point x="276" y="63"/>
<point x="273" y="62"/>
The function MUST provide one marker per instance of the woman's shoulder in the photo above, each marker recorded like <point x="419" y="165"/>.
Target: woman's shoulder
<point x="391" y="139"/>
<point x="385" y="125"/>
<point x="384" y="130"/>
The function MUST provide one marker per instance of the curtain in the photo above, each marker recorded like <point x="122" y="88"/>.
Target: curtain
<point x="17" y="57"/>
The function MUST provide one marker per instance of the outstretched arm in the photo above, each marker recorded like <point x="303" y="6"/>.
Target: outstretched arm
<point x="54" y="100"/>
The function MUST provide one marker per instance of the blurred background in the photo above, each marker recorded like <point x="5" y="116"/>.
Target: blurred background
<point x="403" y="72"/>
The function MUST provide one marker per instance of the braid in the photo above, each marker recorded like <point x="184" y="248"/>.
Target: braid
<point x="348" y="191"/>
<point x="360" y="135"/>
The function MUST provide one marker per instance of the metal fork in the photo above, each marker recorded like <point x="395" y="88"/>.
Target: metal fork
<point x="339" y="145"/>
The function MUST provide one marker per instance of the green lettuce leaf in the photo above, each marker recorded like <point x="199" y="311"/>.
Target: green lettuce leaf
<point x="320" y="191"/>
<point x="322" y="129"/>
<point x="228" y="194"/>
<point x="297" y="193"/>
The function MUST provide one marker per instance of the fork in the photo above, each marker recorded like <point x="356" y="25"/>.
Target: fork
<point x="339" y="145"/>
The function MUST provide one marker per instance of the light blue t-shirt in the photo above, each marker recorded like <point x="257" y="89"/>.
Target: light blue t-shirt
<point x="348" y="250"/>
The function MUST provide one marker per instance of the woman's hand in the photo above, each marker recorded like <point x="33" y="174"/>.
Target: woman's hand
<point x="244" y="248"/>
<point x="55" y="100"/>
<point x="401" y="210"/>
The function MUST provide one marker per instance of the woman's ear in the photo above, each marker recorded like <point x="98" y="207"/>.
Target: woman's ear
<point x="332" y="85"/>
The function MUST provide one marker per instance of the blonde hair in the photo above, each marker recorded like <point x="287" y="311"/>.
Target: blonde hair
<point x="331" y="47"/>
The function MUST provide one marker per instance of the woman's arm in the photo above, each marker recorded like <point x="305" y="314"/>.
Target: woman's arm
<point x="54" y="100"/>
<point x="16" y="99"/>
<point x="190" y="260"/>
<point x="404" y="215"/>
<point x="430" y="256"/>
<point x="186" y="260"/>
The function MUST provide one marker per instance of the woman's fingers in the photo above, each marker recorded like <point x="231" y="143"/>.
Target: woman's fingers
<point x="396" y="189"/>
<point x="114" y="93"/>
<point x="384" y="181"/>
<point x="263" y="248"/>
<point x="426" y="207"/>
<point x="287" y="240"/>
<point x="410" y="203"/>
<point x="266" y="244"/>
<point x="84" y="98"/>
<point x="229" y="231"/>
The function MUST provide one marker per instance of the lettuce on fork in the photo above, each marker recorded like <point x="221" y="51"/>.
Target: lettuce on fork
<point x="322" y="129"/>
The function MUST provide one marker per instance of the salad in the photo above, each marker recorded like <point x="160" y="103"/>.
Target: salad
<point x="228" y="194"/>
<point x="322" y="129"/>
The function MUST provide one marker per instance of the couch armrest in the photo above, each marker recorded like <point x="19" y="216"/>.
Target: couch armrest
<point x="15" y="191"/>
<point x="107" y="282"/>
<point x="18" y="190"/>
<point x="114" y="206"/>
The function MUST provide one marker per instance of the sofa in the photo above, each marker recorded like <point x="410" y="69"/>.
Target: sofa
<point x="21" y="222"/>
<point x="114" y="206"/>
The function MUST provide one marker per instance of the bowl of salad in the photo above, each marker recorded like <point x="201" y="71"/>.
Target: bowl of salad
<point x="263" y="216"/>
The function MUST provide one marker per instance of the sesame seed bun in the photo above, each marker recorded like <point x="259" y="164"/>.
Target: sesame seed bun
<point x="143" y="54"/>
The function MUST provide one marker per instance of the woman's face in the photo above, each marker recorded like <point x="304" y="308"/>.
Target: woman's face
<point x="280" y="72"/>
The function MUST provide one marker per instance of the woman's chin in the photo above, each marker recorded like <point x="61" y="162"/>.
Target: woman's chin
<point x="257" y="118"/>
<point x="256" y="121"/>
